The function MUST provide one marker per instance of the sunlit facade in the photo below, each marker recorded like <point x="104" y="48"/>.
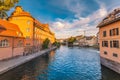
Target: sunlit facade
<point x="11" y="40"/>
<point x="33" y="31"/>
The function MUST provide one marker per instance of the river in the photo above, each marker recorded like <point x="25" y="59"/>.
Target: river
<point x="65" y="63"/>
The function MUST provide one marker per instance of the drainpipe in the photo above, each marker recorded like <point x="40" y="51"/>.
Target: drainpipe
<point x="33" y="33"/>
<point x="12" y="47"/>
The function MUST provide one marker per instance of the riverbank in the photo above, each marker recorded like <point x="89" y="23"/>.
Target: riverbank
<point x="12" y="63"/>
<point x="115" y="66"/>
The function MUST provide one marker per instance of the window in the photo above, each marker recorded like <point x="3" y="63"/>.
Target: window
<point x="110" y="32"/>
<point x="4" y="43"/>
<point x="28" y="22"/>
<point x="116" y="44"/>
<point x="104" y="33"/>
<point x="114" y="32"/>
<point x="27" y="29"/>
<point x="104" y="43"/>
<point x="35" y="29"/>
<point x="105" y="52"/>
<point x="117" y="31"/>
<point x="115" y="55"/>
<point x="111" y="44"/>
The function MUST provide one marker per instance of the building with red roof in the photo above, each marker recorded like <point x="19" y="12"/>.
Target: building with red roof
<point x="11" y="40"/>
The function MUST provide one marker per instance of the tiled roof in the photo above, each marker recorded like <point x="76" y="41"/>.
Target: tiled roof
<point x="89" y="37"/>
<point x="1" y="27"/>
<point x="9" y="25"/>
<point x="43" y="26"/>
<point x="21" y="12"/>
<point x="9" y="29"/>
<point x="111" y="18"/>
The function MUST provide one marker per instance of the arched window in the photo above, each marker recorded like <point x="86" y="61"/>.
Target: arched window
<point x="4" y="43"/>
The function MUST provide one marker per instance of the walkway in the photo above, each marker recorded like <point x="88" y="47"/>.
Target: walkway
<point x="10" y="64"/>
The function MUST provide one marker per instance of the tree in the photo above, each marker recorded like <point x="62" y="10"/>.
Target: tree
<point x="45" y="43"/>
<point x="71" y="40"/>
<point x="57" y="44"/>
<point x="6" y="5"/>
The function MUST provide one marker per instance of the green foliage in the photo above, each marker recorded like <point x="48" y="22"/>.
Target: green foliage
<point x="6" y="5"/>
<point x="56" y="44"/>
<point x="3" y="14"/>
<point x="71" y="40"/>
<point x="46" y="43"/>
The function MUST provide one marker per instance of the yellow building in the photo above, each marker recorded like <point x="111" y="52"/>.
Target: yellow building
<point x="34" y="31"/>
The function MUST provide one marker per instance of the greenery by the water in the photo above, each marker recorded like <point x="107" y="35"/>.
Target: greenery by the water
<point x="71" y="40"/>
<point x="56" y="44"/>
<point x="66" y="63"/>
<point x="45" y="43"/>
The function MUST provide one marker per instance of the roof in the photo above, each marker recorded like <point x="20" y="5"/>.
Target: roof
<point x="1" y="27"/>
<point x="89" y="37"/>
<point x="110" y="18"/>
<point x="9" y="29"/>
<point x="43" y="26"/>
<point x="8" y="25"/>
<point x="20" y="12"/>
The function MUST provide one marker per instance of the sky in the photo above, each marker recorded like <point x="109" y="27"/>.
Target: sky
<point x="70" y="17"/>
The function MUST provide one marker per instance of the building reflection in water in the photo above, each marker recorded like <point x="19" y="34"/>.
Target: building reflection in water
<point x="108" y="74"/>
<point x="30" y="70"/>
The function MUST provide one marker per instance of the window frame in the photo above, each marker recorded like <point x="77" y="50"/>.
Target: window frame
<point x="4" y="43"/>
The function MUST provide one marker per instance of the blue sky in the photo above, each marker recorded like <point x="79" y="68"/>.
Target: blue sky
<point x="70" y="17"/>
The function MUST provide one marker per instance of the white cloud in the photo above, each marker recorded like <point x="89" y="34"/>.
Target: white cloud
<point x="74" y="6"/>
<point x="65" y="28"/>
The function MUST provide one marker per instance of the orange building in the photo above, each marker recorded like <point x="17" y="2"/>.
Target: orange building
<point x="34" y="31"/>
<point x="11" y="40"/>
<point x="109" y="40"/>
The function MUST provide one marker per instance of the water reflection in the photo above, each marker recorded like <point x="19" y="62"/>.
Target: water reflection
<point x="108" y="74"/>
<point x="63" y="64"/>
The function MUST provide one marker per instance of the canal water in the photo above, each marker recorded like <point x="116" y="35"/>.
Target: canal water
<point x="65" y="63"/>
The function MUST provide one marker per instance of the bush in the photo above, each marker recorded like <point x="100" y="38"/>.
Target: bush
<point x="45" y="43"/>
<point x="71" y="40"/>
<point x="56" y="44"/>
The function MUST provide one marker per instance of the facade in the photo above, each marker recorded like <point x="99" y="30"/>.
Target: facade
<point x="85" y="40"/>
<point x="80" y="40"/>
<point x="11" y="40"/>
<point x="33" y="31"/>
<point x="91" y="40"/>
<point x="63" y="41"/>
<point x="97" y="38"/>
<point x="109" y="40"/>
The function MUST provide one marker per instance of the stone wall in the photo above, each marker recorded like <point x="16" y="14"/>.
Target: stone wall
<point x="110" y="64"/>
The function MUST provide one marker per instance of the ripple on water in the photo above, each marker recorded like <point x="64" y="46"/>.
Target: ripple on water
<point x="74" y="64"/>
